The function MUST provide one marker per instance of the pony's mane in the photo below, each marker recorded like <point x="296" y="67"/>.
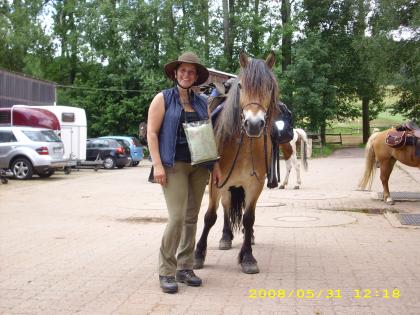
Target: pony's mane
<point x="258" y="81"/>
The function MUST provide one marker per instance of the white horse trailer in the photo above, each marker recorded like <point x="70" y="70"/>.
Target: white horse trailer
<point x="73" y="130"/>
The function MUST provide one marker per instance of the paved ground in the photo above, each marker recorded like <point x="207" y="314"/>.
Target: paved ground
<point x="87" y="243"/>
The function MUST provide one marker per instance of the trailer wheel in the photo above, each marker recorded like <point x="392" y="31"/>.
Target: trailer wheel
<point x="46" y="174"/>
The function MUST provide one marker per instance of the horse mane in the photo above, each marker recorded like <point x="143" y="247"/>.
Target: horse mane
<point x="229" y="123"/>
<point x="257" y="80"/>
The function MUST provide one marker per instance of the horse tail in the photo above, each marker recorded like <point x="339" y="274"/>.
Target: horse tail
<point x="303" y="147"/>
<point x="370" y="167"/>
<point x="237" y="203"/>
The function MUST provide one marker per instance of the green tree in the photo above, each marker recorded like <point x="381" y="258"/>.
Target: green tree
<point x="24" y="46"/>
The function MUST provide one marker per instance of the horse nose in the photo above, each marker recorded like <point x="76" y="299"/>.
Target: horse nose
<point x="254" y="127"/>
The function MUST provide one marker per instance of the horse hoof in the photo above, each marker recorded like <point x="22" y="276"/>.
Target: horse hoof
<point x="390" y="202"/>
<point x="198" y="263"/>
<point x="282" y="187"/>
<point x="250" y="268"/>
<point x="225" y="244"/>
<point x="296" y="187"/>
<point x="252" y="240"/>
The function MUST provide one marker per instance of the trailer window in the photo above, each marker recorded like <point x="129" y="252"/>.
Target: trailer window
<point x="67" y="117"/>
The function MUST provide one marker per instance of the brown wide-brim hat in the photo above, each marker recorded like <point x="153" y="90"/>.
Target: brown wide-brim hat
<point x="188" y="57"/>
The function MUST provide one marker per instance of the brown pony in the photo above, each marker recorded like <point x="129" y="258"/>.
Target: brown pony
<point x="245" y="149"/>
<point x="378" y="150"/>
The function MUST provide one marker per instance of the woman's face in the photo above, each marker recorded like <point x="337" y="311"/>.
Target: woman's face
<point x="186" y="74"/>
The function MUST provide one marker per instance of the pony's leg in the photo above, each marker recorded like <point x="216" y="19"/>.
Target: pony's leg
<point x="296" y="164"/>
<point x="209" y="220"/>
<point x="288" y="170"/>
<point x="386" y="169"/>
<point x="227" y="236"/>
<point x="246" y="259"/>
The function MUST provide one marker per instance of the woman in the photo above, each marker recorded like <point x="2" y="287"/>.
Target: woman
<point x="183" y="184"/>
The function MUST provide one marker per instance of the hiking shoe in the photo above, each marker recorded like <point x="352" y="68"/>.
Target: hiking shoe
<point x="188" y="277"/>
<point x="168" y="284"/>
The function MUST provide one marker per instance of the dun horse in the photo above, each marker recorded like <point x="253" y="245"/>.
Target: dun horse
<point x="245" y="149"/>
<point x="289" y="154"/>
<point x="378" y="150"/>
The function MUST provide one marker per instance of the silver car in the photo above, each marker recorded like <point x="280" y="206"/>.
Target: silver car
<point x="27" y="151"/>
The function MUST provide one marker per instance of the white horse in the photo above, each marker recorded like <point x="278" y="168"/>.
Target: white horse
<point x="289" y="152"/>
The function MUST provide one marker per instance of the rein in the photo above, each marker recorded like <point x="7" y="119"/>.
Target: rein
<point x="233" y="163"/>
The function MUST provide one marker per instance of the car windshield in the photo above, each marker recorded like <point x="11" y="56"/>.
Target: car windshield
<point x="136" y="141"/>
<point x="42" y="135"/>
<point x="123" y="142"/>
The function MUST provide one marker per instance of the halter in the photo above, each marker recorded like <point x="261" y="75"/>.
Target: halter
<point x="254" y="173"/>
<point x="243" y="117"/>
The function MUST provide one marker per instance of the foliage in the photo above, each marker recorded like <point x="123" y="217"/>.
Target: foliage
<point x="107" y="56"/>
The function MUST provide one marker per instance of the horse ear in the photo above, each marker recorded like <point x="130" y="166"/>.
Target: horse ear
<point x="243" y="59"/>
<point x="271" y="60"/>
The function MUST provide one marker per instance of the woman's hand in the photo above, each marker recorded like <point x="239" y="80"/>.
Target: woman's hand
<point x="159" y="174"/>
<point x="216" y="174"/>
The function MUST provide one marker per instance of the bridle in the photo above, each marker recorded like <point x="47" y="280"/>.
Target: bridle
<point x="242" y="133"/>
<point x="243" y="118"/>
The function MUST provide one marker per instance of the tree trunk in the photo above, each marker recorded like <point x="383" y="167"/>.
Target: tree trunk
<point x="323" y="130"/>
<point x="365" y="117"/>
<point x="255" y="33"/>
<point x="228" y="13"/>
<point x="206" y="31"/>
<point x="286" y="40"/>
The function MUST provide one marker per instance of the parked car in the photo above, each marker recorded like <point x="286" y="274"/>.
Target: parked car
<point x="27" y="151"/>
<point x="109" y="150"/>
<point x="136" y="150"/>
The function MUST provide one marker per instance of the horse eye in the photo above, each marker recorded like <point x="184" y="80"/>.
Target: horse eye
<point x="239" y="86"/>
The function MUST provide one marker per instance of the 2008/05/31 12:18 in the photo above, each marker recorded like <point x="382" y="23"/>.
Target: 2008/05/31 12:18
<point x="322" y="293"/>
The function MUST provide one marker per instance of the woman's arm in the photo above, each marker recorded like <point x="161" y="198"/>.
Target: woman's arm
<point x="154" y="123"/>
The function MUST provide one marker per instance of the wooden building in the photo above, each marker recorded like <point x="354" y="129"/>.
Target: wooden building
<point x="21" y="89"/>
<point x="219" y="76"/>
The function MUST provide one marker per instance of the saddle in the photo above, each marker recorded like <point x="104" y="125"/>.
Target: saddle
<point x="405" y="134"/>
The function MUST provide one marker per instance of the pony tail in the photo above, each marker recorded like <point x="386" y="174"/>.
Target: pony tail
<point x="303" y="147"/>
<point x="370" y="169"/>
<point x="237" y="203"/>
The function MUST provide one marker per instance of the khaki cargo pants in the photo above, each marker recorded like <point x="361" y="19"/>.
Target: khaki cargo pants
<point x="183" y="194"/>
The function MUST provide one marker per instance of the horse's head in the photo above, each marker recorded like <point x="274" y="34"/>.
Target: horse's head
<point x="258" y="91"/>
<point x="251" y="102"/>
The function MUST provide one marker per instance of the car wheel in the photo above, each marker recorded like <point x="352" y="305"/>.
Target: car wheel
<point x="46" y="173"/>
<point x="22" y="168"/>
<point x="135" y="163"/>
<point x="109" y="162"/>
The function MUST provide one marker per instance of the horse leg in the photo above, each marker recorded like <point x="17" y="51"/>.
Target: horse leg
<point x="246" y="259"/>
<point x="296" y="164"/>
<point x="288" y="170"/>
<point x="227" y="236"/>
<point x="386" y="169"/>
<point x="209" y="220"/>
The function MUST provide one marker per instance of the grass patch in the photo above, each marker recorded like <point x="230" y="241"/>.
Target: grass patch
<point x="323" y="151"/>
